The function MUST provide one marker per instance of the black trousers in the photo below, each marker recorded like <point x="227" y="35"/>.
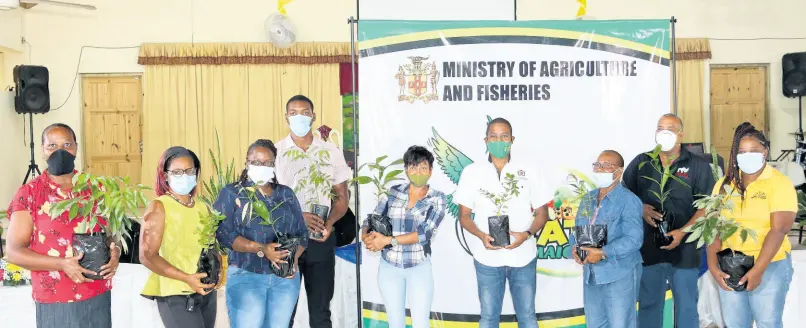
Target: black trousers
<point x="95" y="312"/>
<point x="174" y="313"/>
<point x="318" y="268"/>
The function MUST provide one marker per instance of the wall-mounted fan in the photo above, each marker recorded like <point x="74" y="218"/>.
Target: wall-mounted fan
<point x="28" y="4"/>
<point x="280" y="30"/>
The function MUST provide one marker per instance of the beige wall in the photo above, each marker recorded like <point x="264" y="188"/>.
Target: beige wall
<point x="56" y="35"/>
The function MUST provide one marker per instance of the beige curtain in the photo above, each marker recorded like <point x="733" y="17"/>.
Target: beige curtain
<point x="191" y="93"/>
<point x="691" y="55"/>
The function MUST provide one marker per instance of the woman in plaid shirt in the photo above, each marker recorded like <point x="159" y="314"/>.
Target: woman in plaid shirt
<point x="415" y="210"/>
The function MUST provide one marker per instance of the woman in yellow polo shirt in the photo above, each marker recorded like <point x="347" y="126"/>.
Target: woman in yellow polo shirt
<point x="765" y="201"/>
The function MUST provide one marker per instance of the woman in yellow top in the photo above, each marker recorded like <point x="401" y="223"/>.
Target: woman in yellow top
<point x="170" y="248"/>
<point x="765" y="201"/>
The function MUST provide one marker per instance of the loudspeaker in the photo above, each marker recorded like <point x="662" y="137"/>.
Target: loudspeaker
<point x="33" y="94"/>
<point x="794" y="74"/>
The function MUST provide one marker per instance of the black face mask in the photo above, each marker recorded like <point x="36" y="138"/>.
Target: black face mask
<point x="61" y="162"/>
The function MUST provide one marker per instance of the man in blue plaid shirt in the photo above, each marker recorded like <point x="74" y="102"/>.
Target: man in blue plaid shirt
<point x="415" y="210"/>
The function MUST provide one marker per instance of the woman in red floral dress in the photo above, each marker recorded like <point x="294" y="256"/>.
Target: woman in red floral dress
<point x="64" y="297"/>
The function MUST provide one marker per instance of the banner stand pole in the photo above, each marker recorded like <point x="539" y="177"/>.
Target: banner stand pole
<point x="352" y="21"/>
<point x="674" y="67"/>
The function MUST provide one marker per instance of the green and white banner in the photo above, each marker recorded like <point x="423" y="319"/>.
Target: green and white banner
<point x="570" y="88"/>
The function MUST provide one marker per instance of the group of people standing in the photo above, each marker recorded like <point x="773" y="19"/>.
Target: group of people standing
<point x="630" y="268"/>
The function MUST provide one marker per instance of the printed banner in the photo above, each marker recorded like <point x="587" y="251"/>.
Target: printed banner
<point x="570" y="89"/>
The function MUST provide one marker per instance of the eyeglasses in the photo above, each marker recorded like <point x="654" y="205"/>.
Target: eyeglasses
<point x="259" y="163"/>
<point x="179" y="172"/>
<point x="420" y="169"/>
<point x="604" y="166"/>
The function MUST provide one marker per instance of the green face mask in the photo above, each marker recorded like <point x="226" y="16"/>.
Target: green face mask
<point x="499" y="149"/>
<point x="419" y="180"/>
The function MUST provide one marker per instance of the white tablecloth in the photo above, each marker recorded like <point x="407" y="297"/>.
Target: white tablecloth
<point x="130" y="310"/>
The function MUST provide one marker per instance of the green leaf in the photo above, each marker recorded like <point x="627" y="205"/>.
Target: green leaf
<point x="73" y="211"/>
<point x="743" y="235"/>
<point x="396" y="162"/>
<point x="380" y="159"/>
<point x="695" y="235"/>
<point x="261" y="210"/>
<point x="391" y="176"/>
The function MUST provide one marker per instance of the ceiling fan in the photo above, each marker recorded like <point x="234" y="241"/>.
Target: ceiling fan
<point x="28" y="4"/>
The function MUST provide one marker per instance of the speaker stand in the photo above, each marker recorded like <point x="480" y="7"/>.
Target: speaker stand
<point x="33" y="169"/>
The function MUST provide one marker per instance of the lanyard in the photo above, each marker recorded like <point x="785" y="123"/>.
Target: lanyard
<point x="595" y="214"/>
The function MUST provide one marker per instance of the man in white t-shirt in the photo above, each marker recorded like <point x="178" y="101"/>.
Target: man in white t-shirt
<point x="527" y="213"/>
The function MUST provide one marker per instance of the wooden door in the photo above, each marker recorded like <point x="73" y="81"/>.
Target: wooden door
<point x="738" y="95"/>
<point x="112" y="125"/>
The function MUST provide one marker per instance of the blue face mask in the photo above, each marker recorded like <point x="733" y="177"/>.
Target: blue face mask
<point x="300" y="125"/>
<point x="183" y="184"/>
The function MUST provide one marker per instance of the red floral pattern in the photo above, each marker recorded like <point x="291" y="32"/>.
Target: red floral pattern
<point x="53" y="238"/>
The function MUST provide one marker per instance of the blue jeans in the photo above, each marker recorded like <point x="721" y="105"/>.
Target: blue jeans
<point x="765" y="304"/>
<point x="652" y="296"/>
<point x="396" y="284"/>
<point x="260" y="300"/>
<point x="522" y="288"/>
<point x="613" y="305"/>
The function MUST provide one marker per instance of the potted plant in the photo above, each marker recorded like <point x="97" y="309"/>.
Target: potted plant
<point x="715" y="224"/>
<point x="315" y="182"/>
<point x="662" y="226"/>
<point x="212" y="259"/>
<point x="287" y="242"/>
<point x="499" y="224"/>
<point x="108" y="202"/>
<point x="590" y="235"/>
<point x="380" y="178"/>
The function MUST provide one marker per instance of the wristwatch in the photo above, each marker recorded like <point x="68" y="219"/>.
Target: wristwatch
<point x="260" y="251"/>
<point x="394" y="241"/>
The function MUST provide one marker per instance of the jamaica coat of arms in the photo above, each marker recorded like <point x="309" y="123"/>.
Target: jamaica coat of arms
<point x="418" y="80"/>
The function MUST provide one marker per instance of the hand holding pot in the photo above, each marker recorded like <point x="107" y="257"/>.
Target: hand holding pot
<point x="677" y="238"/>
<point x="326" y="233"/>
<point x="313" y="221"/>
<point x="75" y="271"/>
<point x="275" y="256"/>
<point x="594" y="255"/>
<point x="720" y="277"/>
<point x="576" y="255"/>
<point x="520" y="237"/>
<point x="650" y="213"/>
<point x="194" y="281"/>
<point x="752" y="278"/>
<point x="488" y="241"/>
<point x="366" y="237"/>
<point x="377" y="241"/>
<point x="108" y="270"/>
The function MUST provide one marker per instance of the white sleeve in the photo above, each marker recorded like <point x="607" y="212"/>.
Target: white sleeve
<point x="467" y="191"/>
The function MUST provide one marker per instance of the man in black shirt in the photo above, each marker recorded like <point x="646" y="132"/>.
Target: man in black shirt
<point x="677" y="263"/>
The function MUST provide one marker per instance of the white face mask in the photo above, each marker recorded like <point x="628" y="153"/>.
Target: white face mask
<point x="666" y="139"/>
<point x="603" y="179"/>
<point x="260" y="175"/>
<point x="750" y="162"/>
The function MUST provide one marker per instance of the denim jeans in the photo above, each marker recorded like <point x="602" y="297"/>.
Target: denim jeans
<point x="765" y="304"/>
<point x="613" y="304"/>
<point x="397" y="284"/>
<point x="652" y="296"/>
<point x="522" y="288"/>
<point x="260" y="300"/>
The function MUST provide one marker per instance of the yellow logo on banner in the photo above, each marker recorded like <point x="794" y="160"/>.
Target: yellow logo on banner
<point x="415" y="80"/>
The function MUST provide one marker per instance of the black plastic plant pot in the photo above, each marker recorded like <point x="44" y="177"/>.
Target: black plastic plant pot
<point x="499" y="230"/>
<point x="380" y="224"/>
<point x="663" y="227"/>
<point x="735" y="264"/>
<point x="322" y="211"/>
<point x="589" y="235"/>
<point x="287" y="243"/>
<point x="210" y="263"/>
<point x="96" y="252"/>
